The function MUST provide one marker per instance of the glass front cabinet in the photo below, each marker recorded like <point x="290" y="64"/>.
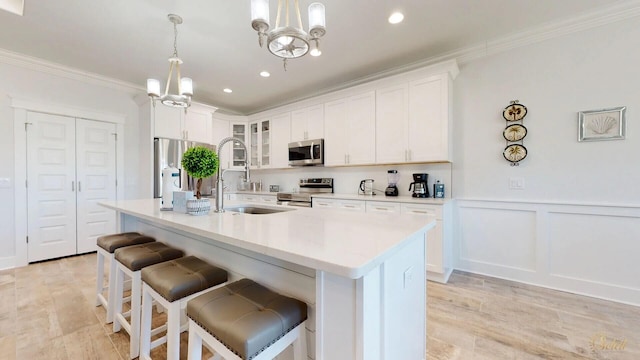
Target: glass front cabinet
<point x="260" y="140"/>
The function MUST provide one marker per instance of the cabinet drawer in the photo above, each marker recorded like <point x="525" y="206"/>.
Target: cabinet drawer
<point x="421" y="209"/>
<point x="268" y="199"/>
<point x="323" y="203"/>
<point x="383" y="207"/>
<point x="248" y="197"/>
<point x="352" y="205"/>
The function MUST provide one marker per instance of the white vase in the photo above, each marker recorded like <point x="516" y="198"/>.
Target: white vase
<point x="198" y="206"/>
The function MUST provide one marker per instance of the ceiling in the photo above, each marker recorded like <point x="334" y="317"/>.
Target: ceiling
<point x="130" y="40"/>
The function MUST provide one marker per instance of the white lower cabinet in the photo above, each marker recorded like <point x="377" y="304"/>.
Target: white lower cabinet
<point x="438" y="246"/>
<point x="438" y="239"/>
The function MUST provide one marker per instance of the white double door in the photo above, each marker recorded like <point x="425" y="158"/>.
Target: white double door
<point x="71" y="166"/>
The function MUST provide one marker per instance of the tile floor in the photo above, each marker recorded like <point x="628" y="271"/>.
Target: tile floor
<point x="47" y="312"/>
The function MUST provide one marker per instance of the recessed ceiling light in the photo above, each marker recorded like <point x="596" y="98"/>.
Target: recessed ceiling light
<point x="265" y="74"/>
<point x="396" y="18"/>
<point x="228" y="91"/>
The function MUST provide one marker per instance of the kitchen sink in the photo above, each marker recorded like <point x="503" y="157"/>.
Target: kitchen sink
<point x="255" y="210"/>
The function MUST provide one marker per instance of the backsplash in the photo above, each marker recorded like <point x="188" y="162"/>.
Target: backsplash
<point x="347" y="179"/>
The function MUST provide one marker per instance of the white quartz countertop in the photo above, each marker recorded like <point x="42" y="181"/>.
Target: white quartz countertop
<point x="344" y="243"/>
<point x="383" y="198"/>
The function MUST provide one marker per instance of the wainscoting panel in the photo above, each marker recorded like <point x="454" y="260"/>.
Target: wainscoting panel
<point x="588" y="249"/>
<point x="595" y="248"/>
<point x="499" y="237"/>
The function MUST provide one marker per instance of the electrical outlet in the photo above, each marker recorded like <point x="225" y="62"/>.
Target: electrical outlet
<point x="407" y="277"/>
<point x="516" y="183"/>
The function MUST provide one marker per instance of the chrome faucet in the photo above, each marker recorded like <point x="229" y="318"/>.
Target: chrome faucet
<point x="220" y="174"/>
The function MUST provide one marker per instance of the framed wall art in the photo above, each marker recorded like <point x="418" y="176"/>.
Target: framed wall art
<point x="605" y="124"/>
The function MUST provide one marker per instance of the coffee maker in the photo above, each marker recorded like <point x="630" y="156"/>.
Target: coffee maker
<point x="419" y="185"/>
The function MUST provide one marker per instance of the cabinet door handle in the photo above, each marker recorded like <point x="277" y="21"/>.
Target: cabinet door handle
<point x="349" y="206"/>
<point x="382" y="209"/>
<point x="419" y="212"/>
<point x="79" y="186"/>
<point x="73" y="186"/>
<point x="409" y="152"/>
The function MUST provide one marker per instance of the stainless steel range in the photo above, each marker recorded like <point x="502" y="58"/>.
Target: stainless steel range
<point x="308" y="187"/>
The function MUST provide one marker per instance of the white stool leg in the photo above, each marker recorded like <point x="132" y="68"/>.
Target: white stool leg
<point x="112" y="289"/>
<point x="134" y="336"/>
<point x="300" y="345"/>
<point x="195" y="344"/>
<point x="173" y="331"/>
<point x="100" y="277"/>
<point x="145" y="325"/>
<point x="116" y="302"/>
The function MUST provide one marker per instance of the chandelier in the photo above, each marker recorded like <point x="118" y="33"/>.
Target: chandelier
<point x="182" y="98"/>
<point x="288" y="42"/>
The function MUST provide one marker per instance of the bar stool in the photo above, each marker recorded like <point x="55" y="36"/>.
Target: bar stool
<point x="107" y="245"/>
<point x="172" y="284"/>
<point x="130" y="260"/>
<point x="244" y="320"/>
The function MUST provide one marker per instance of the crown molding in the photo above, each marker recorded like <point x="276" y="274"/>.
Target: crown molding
<point x="51" y="68"/>
<point x="620" y="11"/>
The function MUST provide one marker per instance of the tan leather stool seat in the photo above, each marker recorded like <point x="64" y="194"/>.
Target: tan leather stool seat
<point x="179" y="278"/>
<point x="115" y="241"/>
<point x="245" y="316"/>
<point x="139" y="256"/>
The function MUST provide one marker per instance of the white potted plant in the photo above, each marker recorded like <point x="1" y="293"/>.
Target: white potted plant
<point x="199" y="162"/>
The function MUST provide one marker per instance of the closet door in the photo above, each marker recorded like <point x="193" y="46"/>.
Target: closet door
<point x="96" y="181"/>
<point x="51" y="197"/>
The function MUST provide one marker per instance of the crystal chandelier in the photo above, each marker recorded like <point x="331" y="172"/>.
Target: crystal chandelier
<point x="182" y="98"/>
<point x="288" y="42"/>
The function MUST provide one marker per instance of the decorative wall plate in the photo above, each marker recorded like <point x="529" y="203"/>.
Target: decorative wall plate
<point x="514" y="112"/>
<point x="515" y="132"/>
<point x="515" y="152"/>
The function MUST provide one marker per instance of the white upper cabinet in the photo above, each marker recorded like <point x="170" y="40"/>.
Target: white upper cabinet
<point x="430" y="119"/>
<point x="221" y="130"/>
<point x="238" y="154"/>
<point x="413" y="121"/>
<point x="173" y="123"/>
<point x="268" y="141"/>
<point x="167" y="121"/>
<point x="198" y="126"/>
<point x="307" y="123"/>
<point x="280" y="130"/>
<point x="349" y="129"/>
<point x="392" y="124"/>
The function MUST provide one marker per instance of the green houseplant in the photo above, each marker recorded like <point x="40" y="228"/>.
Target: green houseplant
<point x="200" y="162"/>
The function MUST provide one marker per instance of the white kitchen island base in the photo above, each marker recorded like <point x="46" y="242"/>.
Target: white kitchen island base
<point x="375" y="311"/>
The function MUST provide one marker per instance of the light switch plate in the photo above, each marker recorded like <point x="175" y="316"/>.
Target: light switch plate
<point x="5" y="182"/>
<point x="516" y="183"/>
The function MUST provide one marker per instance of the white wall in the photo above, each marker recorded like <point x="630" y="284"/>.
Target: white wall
<point x="536" y="235"/>
<point x="38" y="86"/>
<point x="555" y="79"/>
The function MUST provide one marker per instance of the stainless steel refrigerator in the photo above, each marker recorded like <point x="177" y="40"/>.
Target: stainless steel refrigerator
<point x="168" y="152"/>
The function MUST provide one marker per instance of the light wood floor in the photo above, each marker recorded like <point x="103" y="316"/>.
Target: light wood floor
<point x="47" y="312"/>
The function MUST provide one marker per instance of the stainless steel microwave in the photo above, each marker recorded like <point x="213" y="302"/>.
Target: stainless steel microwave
<point x="308" y="152"/>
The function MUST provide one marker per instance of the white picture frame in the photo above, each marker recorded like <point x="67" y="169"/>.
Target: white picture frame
<point x="604" y="124"/>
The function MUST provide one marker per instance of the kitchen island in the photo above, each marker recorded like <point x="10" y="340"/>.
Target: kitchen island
<point x="362" y="275"/>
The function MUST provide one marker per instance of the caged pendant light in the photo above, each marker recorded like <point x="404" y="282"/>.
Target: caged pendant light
<point x="288" y="41"/>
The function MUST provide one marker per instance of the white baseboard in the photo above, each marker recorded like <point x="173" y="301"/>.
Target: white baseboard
<point x="7" y="262"/>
